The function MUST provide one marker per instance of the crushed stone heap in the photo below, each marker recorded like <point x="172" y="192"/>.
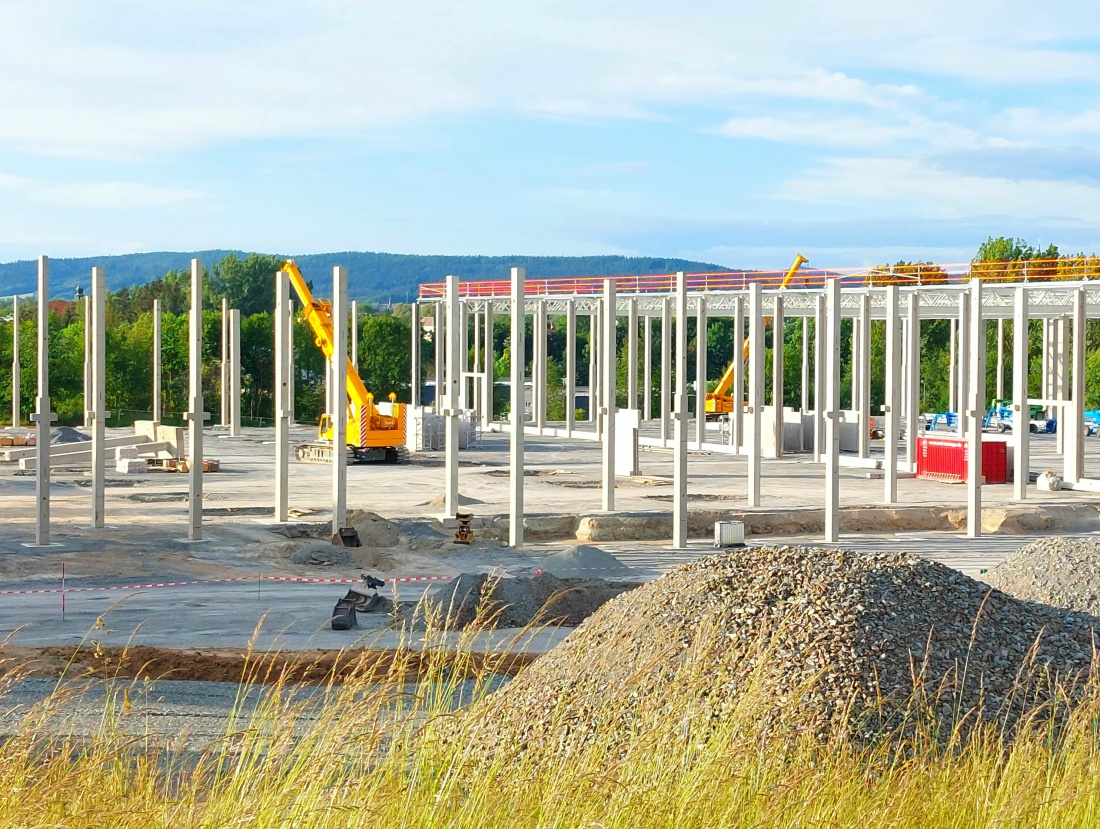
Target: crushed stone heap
<point x="829" y="638"/>
<point x="1064" y="572"/>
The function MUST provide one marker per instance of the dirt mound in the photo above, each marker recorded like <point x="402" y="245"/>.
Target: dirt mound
<point x="518" y="602"/>
<point x="584" y="561"/>
<point x="318" y="552"/>
<point x="322" y="553"/>
<point x="374" y="530"/>
<point x="1064" y="572"/>
<point x="828" y="642"/>
<point x="463" y="501"/>
<point x="66" y="434"/>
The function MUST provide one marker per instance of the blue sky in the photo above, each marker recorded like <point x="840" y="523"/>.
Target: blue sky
<point x="731" y="132"/>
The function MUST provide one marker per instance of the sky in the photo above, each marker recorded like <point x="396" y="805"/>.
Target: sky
<point x="728" y="132"/>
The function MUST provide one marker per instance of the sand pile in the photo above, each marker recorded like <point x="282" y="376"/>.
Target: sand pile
<point x="829" y="641"/>
<point x="584" y="561"/>
<point x="374" y="530"/>
<point x="1064" y="572"/>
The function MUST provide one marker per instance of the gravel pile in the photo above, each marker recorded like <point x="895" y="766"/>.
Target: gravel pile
<point x="584" y="561"/>
<point x="830" y="641"/>
<point x="1064" y="572"/>
<point x="66" y="434"/>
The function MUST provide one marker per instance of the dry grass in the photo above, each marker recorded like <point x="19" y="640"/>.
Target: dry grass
<point x="381" y="752"/>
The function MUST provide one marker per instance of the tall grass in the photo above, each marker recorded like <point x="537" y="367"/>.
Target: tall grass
<point x="386" y="747"/>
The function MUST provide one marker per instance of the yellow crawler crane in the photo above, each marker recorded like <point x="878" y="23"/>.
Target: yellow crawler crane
<point x="372" y="435"/>
<point x="719" y="401"/>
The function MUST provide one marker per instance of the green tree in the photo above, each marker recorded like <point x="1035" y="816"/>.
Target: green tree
<point x="385" y="364"/>
<point x="249" y="285"/>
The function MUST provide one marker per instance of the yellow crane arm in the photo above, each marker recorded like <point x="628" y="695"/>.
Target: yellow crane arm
<point x="318" y="314"/>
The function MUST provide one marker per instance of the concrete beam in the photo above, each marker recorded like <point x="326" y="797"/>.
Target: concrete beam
<point x="79" y="457"/>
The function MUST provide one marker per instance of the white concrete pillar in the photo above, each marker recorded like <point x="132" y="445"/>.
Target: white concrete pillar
<point x="647" y="368"/>
<point x="515" y="499"/>
<point x="16" y="403"/>
<point x="158" y="402"/>
<point x="488" y="355"/>
<point x="43" y="416"/>
<point x="282" y="394"/>
<point x="975" y="406"/>
<point x="339" y="373"/>
<point x="892" y="426"/>
<point x="680" y="415"/>
<point x="439" y="339"/>
<point x="1073" y="415"/>
<point x="1021" y="412"/>
<point x="1059" y="390"/>
<point x="756" y="392"/>
<point x="355" y="334"/>
<point x="831" y="400"/>
<point x="737" y="387"/>
<point x="862" y="375"/>
<point x="598" y="367"/>
<point x="820" y="401"/>
<point x="235" y="372"/>
<point x="414" y="379"/>
<point x="593" y="374"/>
<point x="99" y="414"/>
<point x="223" y="384"/>
<point x="463" y="356"/>
<point x="778" y="324"/>
<point x="952" y="368"/>
<point x="196" y="417"/>
<point x="963" y="373"/>
<point x="453" y="402"/>
<point x="1045" y="373"/>
<point x="570" y="366"/>
<point x="539" y="373"/>
<point x="89" y="403"/>
<point x="1000" y="359"/>
<point x="607" y="388"/>
<point x="804" y="405"/>
<point x="293" y="372"/>
<point x="477" y="368"/>
<point x="632" y="354"/>
<point x="912" y="383"/>
<point x="700" y="372"/>
<point x="666" y="367"/>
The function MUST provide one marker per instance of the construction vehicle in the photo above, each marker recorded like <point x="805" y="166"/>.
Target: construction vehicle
<point x="374" y="433"/>
<point x="719" y="402"/>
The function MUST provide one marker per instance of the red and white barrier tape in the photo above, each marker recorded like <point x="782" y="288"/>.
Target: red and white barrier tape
<point x="152" y="585"/>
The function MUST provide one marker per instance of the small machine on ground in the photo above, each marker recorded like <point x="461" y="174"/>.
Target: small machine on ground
<point x="360" y="598"/>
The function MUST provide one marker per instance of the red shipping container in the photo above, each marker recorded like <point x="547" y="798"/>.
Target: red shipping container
<point x="946" y="459"/>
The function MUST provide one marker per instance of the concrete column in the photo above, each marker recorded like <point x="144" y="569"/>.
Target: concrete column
<point x="756" y="392"/>
<point x="98" y="415"/>
<point x="43" y="416"/>
<point x="1073" y="416"/>
<point x="820" y="402"/>
<point x="647" y="368"/>
<point x="453" y="403"/>
<point x="1000" y="359"/>
<point x="1044" y="375"/>
<point x="975" y="406"/>
<point x="700" y="372"/>
<point x="1021" y="412"/>
<point x="632" y="354"/>
<point x="477" y="367"/>
<point x="570" y="367"/>
<point x="438" y="338"/>
<point x="414" y="380"/>
<point x="539" y="373"/>
<point x="893" y="394"/>
<point x="607" y="389"/>
<point x="597" y="367"/>
<point x="339" y="373"/>
<point x="292" y="371"/>
<point x="862" y="374"/>
<point x="680" y="415"/>
<point x="488" y="356"/>
<point x="952" y="370"/>
<point x="804" y="405"/>
<point x="737" y="387"/>
<point x="904" y="382"/>
<point x="235" y="373"/>
<point x="158" y="402"/>
<point x="16" y="403"/>
<point x="666" y="367"/>
<point x="831" y="402"/>
<point x="778" y="325"/>
<point x="593" y="375"/>
<point x="1058" y="380"/>
<point x="89" y="403"/>
<point x="282" y="394"/>
<point x="515" y="500"/>
<point x="355" y="334"/>
<point x="912" y="382"/>
<point x="462" y="401"/>
<point x="196" y="417"/>
<point x="963" y="373"/>
<point x="223" y="385"/>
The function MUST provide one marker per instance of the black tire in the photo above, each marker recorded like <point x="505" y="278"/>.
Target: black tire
<point x="1001" y="428"/>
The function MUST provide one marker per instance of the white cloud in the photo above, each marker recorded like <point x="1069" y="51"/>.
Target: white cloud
<point x="110" y="195"/>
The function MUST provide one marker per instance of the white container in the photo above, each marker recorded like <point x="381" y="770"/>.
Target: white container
<point x="729" y="533"/>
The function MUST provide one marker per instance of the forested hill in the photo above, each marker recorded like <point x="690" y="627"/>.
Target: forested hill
<point x="379" y="277"/>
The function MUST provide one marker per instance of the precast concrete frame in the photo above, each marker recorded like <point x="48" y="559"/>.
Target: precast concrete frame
<point x="969" y="306"/>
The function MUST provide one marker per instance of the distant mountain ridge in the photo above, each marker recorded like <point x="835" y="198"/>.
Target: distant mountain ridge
<point x="377" y="277"/>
